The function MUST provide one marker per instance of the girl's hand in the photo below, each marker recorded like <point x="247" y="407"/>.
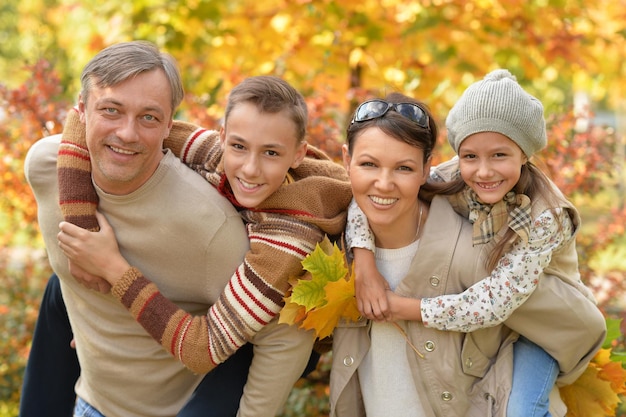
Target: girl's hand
<point x="403" y="308"/>
<point x="369" y="286"/>
<point x="95" y="253"/>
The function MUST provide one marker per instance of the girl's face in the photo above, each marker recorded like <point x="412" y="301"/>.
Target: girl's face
<point x="386" y="175"/>
<point x="259" y="148"/>
<point x="490" y="165"/>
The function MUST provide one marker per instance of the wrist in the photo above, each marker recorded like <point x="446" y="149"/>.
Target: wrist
<point x="116" y="272"/>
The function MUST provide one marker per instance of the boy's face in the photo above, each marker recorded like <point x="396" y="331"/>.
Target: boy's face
<point x="259" y="149"/>
<point x="490" y="164"/>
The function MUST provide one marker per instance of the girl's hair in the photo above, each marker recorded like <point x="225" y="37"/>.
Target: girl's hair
<point x="533" y="182"/>
<point x="123" y="61"/>
<point x="398" y="126"/>
<point x="271" y="95"/>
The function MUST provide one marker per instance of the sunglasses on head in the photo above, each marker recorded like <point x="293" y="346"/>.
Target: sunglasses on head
<point x="373" y="109"/>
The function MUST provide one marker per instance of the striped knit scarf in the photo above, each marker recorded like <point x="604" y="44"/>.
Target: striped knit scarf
<point x="513" y="210"/>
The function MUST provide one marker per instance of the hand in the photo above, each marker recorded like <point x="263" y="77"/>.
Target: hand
<point x="403" y="308"/>
<point x="370" y="286"/>
<point x="95" y="253"/>
<point x="90" y="281"/>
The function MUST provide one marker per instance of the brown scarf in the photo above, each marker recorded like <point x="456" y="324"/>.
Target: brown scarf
<point x="488" y="219"/>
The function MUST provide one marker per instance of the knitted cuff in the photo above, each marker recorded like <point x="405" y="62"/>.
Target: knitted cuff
<point x="122" y="286"/>
<point x="77" y="196"/>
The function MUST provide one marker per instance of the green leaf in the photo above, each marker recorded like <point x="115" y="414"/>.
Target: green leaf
<point x="612" y="332"/>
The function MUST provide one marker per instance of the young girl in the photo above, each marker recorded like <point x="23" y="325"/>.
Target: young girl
<point x="289" y="199"/>
<point x="528" y="227"/>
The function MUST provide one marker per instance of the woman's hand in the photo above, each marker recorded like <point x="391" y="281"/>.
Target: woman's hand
<point x="369" y="286"/>
<point x="94" y="253"/>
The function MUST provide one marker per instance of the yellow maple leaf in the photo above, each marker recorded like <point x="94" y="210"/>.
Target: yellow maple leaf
<point x="589" y="395"/>
<point x="326" y="263"/>
<point x="324" y="295"/>
<point x="340" y="303"/>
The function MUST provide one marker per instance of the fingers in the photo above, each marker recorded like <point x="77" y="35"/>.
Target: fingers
<point x="377" y="309"/>
<point x="102" y="221"/>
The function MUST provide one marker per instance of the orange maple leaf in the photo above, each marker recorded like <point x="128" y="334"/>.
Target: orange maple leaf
<point x="340" y="303"/>
<point x="589" y="395"/>
<point x="291" y="313"/>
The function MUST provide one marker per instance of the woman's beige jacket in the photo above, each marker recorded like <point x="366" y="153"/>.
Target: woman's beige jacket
<point x="464" y="375"/>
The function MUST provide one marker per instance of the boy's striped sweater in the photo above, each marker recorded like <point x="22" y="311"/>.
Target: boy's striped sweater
<point x="282" y="231"/>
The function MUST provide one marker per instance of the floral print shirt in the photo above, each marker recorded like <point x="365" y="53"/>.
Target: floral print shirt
<point x="493" y="299"/>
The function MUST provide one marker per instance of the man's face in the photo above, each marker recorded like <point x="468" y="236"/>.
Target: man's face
<point x="125" y="126"/>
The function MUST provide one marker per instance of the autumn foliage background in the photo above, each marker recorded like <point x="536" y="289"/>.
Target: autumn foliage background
<point x="336" y="53"/>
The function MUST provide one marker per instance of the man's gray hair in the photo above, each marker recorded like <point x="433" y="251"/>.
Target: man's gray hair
<point x="120" y="62"/>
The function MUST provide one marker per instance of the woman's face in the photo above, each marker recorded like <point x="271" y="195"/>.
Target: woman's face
<point x="386" y="175"/>
<point x="490" y="164"/>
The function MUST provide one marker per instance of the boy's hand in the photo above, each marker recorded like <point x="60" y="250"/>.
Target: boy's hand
<point x="370" y="286"/>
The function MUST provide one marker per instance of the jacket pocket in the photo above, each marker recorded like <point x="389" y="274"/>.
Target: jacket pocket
<point x="474" y="361"/>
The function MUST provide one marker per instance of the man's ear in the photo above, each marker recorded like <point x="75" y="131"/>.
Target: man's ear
<point x="81" y="109"/>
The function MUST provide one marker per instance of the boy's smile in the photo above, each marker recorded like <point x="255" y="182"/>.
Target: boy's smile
<point x="259" y="149"/>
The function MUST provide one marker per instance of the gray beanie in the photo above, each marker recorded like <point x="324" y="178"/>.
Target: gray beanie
<point x="498" y="104"/>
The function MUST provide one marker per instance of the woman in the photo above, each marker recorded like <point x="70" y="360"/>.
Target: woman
<point x="375" y="371"/>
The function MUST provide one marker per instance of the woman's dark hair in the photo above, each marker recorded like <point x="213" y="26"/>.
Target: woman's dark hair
<point x="398" y="126"/>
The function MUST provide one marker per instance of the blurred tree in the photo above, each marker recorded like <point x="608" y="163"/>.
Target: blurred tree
<point x="342" y="51"/>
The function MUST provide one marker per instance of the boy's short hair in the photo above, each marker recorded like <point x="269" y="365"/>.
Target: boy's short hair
<point x="271" y="95"/>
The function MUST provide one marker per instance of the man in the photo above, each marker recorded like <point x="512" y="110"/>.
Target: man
<point x="129" y="95"/>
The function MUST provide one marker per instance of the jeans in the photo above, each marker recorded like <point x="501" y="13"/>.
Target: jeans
<point x="534" y="376"/>
<point x="84" y="409"/>
<point x="52" y="368"/>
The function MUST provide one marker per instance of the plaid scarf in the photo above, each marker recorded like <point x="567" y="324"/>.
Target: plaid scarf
<point x="488" y="219"/>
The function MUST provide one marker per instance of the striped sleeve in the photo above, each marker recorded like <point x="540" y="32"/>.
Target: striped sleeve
<point x="251" y="299"/>
<point x="77" y="197"/>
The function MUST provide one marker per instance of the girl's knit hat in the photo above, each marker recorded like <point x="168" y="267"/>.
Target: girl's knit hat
<point x="498" y="104"/>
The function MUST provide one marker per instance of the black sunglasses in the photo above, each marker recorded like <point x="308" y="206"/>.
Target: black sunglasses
<point x="373" y="109"/>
